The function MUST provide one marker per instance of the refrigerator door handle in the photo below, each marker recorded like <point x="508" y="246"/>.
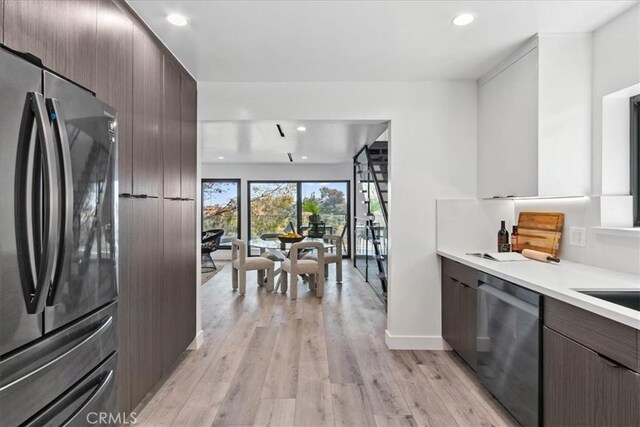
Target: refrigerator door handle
<point x="100" y="388"/>
<point x="36" y="268"/>
<point x="56" y="115"/>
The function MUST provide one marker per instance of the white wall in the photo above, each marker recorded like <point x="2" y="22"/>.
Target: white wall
<point x="275" y="172"/>
<point x="432" y="155"/>
<point x="616" y="66"/>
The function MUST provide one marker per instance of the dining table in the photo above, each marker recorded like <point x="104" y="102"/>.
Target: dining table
<point x="282" y="250"/>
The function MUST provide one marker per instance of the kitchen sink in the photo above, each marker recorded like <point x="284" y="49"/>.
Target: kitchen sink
<point x="629" y="299"/>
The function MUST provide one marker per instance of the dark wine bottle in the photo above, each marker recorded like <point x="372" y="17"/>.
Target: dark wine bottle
<point x="503" y="238"/>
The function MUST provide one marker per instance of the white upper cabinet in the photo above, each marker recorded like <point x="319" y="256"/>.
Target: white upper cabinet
<point x="534" y="121"/>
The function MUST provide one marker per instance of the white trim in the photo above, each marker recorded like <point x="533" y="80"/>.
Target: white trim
<point x="197" y="341"/>
<point x="415" y="342"/>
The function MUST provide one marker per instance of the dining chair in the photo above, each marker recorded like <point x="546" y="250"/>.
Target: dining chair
<point x="295" y="266"/>
<point x="330" y="257"/>
<point x="210" y="243"/>
<point x="240" y="264"/>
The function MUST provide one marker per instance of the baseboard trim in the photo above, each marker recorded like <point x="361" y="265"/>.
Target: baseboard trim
<point x="415" y="342"/>
<point x="197" y="341"/>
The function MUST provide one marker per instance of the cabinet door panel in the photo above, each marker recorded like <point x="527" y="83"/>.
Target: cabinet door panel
<point x="620" y="396"/>
<point x="189" y="137"/>
<point x="450" y="311"/>
<point x="146" y="280"/>
<point x="188" y="282"/>
<point x="572" y="381"/>
<point x="147" y="115"/>
<point x="29" y="27"/>
<point x="172" y="125"/>
<point x="508" y="131"/>
<point x="467" y="311"/>
<point x="61" y="33"/>
<point x="171" y="281"/>
<point x="1" y="21"/>
<point x="124" y="296"/>
<point x="115" y="79"/>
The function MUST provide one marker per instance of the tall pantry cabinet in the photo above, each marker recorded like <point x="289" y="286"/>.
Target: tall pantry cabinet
<point x="103" y="46"/>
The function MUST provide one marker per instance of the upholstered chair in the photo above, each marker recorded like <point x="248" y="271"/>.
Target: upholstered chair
<point x="240" y="264"/>
<point x="294" y="266"/>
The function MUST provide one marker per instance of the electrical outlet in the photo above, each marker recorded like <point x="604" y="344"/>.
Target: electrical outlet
<point x="577" y="236"/>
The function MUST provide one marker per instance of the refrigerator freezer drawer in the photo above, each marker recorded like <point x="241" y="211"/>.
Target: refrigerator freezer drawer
<point x="92" y="401"/>
<point x="37" y="375"/>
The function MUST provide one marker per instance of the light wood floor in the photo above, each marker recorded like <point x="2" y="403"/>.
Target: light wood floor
<point x="267" y="360"/>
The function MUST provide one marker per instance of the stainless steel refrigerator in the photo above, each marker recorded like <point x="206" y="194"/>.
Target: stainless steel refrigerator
<point x="58" y="249"/>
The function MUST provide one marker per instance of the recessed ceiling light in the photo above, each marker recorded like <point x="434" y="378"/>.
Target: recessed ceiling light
<point x="463" y="19"/>
<point x="304" y="157"/>
<point x="301" y="128"/>
<point x="178" y="20"/>
<point x="221" y="157"/>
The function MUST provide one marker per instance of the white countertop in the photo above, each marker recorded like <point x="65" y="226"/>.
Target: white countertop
<point x="560" y="281"/>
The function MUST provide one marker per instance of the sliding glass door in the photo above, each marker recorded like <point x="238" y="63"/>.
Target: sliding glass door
<point x="221" y="208"/>
<point x="275" y="205"/>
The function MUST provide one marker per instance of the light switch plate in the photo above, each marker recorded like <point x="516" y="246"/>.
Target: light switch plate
<point x="577" y="236"/>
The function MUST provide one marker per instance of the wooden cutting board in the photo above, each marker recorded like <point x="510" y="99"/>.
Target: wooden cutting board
<point x="540" y="231"/>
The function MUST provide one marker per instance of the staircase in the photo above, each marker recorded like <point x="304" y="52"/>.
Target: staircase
<point x="379" y="162"/>
<point x="370" y="233"/>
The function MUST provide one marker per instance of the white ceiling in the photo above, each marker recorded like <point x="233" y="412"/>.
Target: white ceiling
<point x="358" y="40"/>
<point x="260" y="142"/>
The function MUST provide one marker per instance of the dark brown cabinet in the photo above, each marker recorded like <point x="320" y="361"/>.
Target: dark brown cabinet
<point x="188" y="138"/>
<point x="2" y="21"/>
<point x="570" y="382"/>
<point x="147" y="115"/>
<point x="179" y="316"/>
<point x="186" y="290"/>
<point x="459" y="310"/>
<point x="124" y="301"/>
<point x="62" y="33"/>
<point x="172" y="156"/>
<point x="172" y="260"/>
<point x="620" y="401"/>
<point x="584" y="388"/>
<point x="468" y="322"/>
<point x="145" y="294"/>
<point x="450" y="311"/>
<point x="115" y="79"/>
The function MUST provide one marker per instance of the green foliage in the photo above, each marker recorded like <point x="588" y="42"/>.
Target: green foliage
<point x="273" y="206"/>
<point x="311" y="205"/>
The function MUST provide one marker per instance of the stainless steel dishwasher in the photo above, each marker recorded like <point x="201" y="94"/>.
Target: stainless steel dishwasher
<point x="508" y="343"/>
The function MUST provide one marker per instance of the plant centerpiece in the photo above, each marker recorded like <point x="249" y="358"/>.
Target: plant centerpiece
<point x="312" y="206"/>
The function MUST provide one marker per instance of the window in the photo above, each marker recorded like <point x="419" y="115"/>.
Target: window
<point x="274" y="205"/>
<point x="221" y="208"/>
<point x="331" y="199"/>
<point x="635" y="157"/>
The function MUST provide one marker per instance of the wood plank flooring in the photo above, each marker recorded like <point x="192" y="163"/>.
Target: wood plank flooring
<point x="270" y="361"/>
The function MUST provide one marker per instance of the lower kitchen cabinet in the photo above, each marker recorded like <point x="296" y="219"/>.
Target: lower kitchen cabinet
<point x="145" y="296"/>
<point x="179" y="262"/>
<point x="583" y="388"/>
<point x="468" y="329"/>
<point x="187" y="290"/>
<point x="620" y="396"/>
<point x="459" y="316"/>
<point x="450" y="311"/>
<point x="570" y="381"/>
<point x="124" y="296"/>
